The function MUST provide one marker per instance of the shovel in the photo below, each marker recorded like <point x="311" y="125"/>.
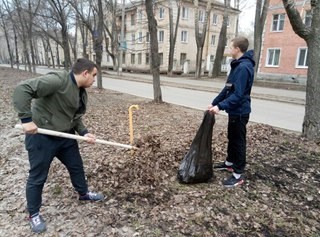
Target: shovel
<point x="76" y="137"/>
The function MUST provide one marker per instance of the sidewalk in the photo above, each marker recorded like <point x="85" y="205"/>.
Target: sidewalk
<point x="214" y="85"/>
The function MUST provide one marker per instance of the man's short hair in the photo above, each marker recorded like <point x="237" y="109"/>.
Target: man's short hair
<point x="82" y="64"/>
<point x="241" y="42"/>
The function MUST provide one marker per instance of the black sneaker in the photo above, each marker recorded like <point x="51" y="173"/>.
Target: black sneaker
<point x="233" y="182"/>
<point x="37" y="223"/>
<point x="91" y="196"/>
<point x="223" y="166"/>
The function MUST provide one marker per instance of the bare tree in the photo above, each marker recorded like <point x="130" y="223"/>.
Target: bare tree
<point x="95" y="26"/>
<point x="59" y="12"/>
<point x="33" y="7"/>
<point x="311" y="123"/>
<point x="260" y="19"/>
<point x="216" y="70"/>
<point x="74" y="39"/>
<point x="3" y="24"/>
<point x="17" y="15"/>
<point x="154" y="49"/>
<point x="200" y="36"/>
<point x="111" y="33"/>
<point x="16" y="46"/>
<point x="173" y="33"/>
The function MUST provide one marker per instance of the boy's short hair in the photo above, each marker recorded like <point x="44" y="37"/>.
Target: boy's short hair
<point x="241" y="42"/>
<point x="82" y="64"/>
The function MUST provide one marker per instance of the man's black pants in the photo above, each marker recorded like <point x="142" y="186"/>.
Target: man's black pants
<point x="237" y="144"/>
<point x="41" y="151"/>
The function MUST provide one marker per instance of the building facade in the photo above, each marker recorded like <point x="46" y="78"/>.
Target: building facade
<point x="284" y="53"/>
<point x="137" y="40"/>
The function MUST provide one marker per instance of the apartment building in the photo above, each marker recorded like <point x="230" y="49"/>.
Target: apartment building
<point x="284" y="53"/>
<point x="137" y="39"/>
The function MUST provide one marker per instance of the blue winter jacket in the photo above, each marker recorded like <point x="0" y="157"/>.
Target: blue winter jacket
<point x="235" y="96"/>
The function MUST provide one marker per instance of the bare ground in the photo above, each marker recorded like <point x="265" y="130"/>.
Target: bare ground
<point x="279" y="198"/>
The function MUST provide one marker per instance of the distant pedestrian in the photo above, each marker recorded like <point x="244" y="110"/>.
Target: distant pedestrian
<point x="236" y="101"/>
<point x="60" y="101"/>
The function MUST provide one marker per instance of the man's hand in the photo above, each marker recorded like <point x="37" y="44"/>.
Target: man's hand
<point x="30" y="128"/>
<point x="92" y="138"/>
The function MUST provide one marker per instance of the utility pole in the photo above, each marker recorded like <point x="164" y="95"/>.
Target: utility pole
<point x="121" y="40"/>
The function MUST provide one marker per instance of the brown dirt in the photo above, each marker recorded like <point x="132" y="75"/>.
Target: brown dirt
<point x="279" y="198"/>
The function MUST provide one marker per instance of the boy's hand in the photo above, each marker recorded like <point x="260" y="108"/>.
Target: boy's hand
<point x="214" y="109"/>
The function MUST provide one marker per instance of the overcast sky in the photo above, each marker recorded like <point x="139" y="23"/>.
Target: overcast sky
<point x="247" y="15"/>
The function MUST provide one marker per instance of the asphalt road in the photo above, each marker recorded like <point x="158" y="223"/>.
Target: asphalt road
<point x="278" y="114"/>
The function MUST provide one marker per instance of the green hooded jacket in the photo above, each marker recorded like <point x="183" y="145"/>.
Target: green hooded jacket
<point x="58" y="104"/>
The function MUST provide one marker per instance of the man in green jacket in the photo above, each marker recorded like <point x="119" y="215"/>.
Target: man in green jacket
<point x="59" y="102"/>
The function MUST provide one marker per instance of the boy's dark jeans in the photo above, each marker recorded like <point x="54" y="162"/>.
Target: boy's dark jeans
<point x="237" y="144"/>
<point x="41" y="151"/>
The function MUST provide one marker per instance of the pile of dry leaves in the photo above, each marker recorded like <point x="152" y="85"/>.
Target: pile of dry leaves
<point x="279" y="198"/>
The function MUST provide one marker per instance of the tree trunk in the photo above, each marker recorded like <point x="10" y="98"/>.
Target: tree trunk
<point x="84" y="38"/>
<point x="311" y="123"/>
<point x="23" y="35"/>
<point x="66" y="47"/>
<point x="30" y="34"/>
<point x="75" y="42"/>
<point x="57" y="56"/>
<point x="52" y="56"/>
<point x="7" y="40"/>
<point x="216" y="70"/>
<point x="155" y="64"/>
<point x="97" y="41"/>
<point x="16" y="47"/>
<point x="173" y="35"/>
<point x="260" y="18"/>
<point x="32" y="53"/>
<point x="199" y="62"/>
<point x="200" y="37"/>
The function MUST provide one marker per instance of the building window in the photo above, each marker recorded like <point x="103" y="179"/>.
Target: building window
<point x="211" y="58"/>
<point x="161" y="13"/>
<point x="278" y="22"/>
<point x="140" y="37"/>
<point x="183" y="58"/>
<point x="161" y="36"/>
<point x="185" y="13"/>
<point x="147" y="58"/>
<point x="184" y="36"/>
<point x="302" y="57"/>
<point x="133" y="38"/>
<point x="308" y="18"/>
<point x="161" y="58"/>
<point x="273" y="57"/>
<point x="139" y="58"/>
<point x="147" y="37"/>
<point x="133" y="21"/>
<point x="215" y="19"/>
<point x="201" y="16"/>
<point x="213" y="40"/>
<point x="133" y="56"/>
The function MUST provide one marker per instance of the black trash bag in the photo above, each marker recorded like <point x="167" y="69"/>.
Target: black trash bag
<point x="196" y="166"/>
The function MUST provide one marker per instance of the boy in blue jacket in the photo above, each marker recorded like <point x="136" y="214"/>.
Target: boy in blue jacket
<point x="235" y="100"/>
